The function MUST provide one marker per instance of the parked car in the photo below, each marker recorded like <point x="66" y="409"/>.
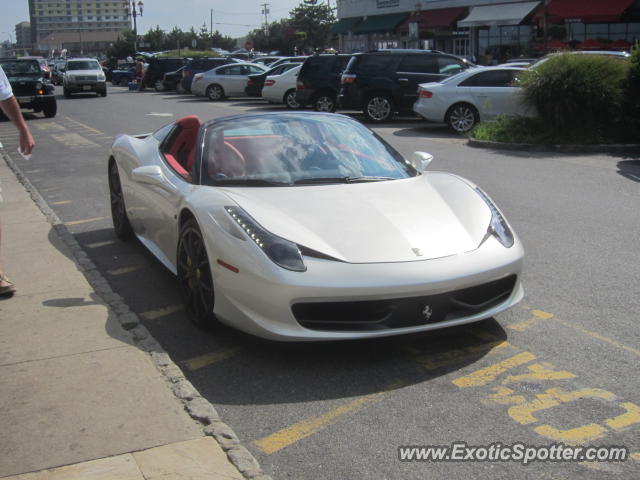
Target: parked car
<point x="57" y="71"/>
<point x="608" y="53"/>
<point x="266" y="60"/>
<point x="30" y="87"/>
<point x="319" y="81"/>
<point x="123" y="74"/>
<point x="383" y="82"/>
<point x="255" y="83"/>
<point x="199" y="65"/>
<point x="287" y="60"/>
<point x="225" y="81"/>
<point x="308" y="226"/>
<point x="83" y="75"/>
<point x="156" y="69"/>
<point x="170" y="80"/>
<point x="465" y="99"/>
<point x="280" y="87"/>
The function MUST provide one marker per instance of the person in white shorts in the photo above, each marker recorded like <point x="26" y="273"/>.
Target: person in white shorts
<point x="11" y="109"/>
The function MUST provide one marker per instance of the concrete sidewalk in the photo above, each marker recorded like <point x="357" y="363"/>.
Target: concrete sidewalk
<point x="85" y="392"/>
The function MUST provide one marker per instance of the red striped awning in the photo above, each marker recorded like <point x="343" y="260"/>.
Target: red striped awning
<point x="587" y="11"/>
<point x="443" y="18"/>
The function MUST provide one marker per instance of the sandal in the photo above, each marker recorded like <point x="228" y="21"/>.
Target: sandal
<point x="8" y="289"/>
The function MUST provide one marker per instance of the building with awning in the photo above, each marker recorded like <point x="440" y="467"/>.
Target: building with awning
<point x="487" y="31"/>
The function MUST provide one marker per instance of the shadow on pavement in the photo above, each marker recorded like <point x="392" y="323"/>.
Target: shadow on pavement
<point x="630" y="169"/>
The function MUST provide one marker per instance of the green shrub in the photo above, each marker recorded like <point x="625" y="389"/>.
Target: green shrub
<point x="578" y="94"/>
<point x="632" y="96"/>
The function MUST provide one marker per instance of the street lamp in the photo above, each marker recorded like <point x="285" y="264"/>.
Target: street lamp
<point x="130" y="10"/>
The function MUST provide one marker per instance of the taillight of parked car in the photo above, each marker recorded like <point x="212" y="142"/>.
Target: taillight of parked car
<point x="425" y="94"/>
<point x="348" y="78"/>
<point x="185" y="74"/>
<point x="300" y="85"/>
<point x="249" y="82"/>
<point x="269" y="83"/>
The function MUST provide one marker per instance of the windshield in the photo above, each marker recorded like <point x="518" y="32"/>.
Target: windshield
<point x="294" y="149"/>
<point x="14" y="68"/>
<point x="83" y="65"/>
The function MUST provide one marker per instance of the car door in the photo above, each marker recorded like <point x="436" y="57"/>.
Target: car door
<point x="230" y="78"/>
<point x="493" y="93"/>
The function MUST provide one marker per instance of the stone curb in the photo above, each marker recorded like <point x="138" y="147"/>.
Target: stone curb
<point x="528" y="147"/>
<point x="198" y="408"/>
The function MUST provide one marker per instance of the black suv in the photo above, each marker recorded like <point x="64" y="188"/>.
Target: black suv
<point x="199" y="65"/>
<point x="29" y="85"/>
<point x="157" y="68"/>
<point x="383" y="82"/>
<point x="319" y="81"/>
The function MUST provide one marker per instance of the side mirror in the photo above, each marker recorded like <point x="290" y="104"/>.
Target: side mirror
<point x="421" y="160"/>
<point x="150" y="174"/>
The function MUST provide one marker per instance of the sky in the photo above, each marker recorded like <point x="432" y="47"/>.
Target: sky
<point x="231" y="17"/>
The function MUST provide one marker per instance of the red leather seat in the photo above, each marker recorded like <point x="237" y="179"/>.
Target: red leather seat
<point x="183" y="149"/>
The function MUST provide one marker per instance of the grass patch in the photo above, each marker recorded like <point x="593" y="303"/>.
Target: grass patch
<point x="537" y="132"/>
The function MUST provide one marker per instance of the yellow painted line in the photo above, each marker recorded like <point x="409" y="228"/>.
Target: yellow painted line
<point x="539" y="372"/>
<point x="537" y="315"/>
<point x="630" y="417"/>
<point x="73" y="140"/>
<point x="50" y="126"/>
<point x="62" y="202"/>
<point x="86" y="220"/>
<point x="209" y="359"/>
<point x="83" y="125"/>
<point x="100" y="244"/>
<point x="433" y="361"/>
<point x="162" y="312"/>
<point x="123" y="270"/>
<point x="635" y="456"/>
<point x="288" y="436"/>
<point x="490" y="373"/>
<point x="597" y="336"/>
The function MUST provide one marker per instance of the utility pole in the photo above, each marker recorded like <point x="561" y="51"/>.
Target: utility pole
<point x="265" y="12"/>
<point x="211" y="27"/>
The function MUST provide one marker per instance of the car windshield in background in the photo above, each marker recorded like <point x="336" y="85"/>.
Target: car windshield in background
<point x="294" y="149"/>
<point x="83" y="65"/>
<point x="13" y="68"/>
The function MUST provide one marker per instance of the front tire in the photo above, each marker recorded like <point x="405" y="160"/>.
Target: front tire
<point x="378" y="108"/>
<point x="290" y="101"/>
<point x="50" y="109"/>
<point x="121" y="224"/>
<point x="462" y="117"/>
<point x="215" y="93"/>
<point x="194" y="275"/>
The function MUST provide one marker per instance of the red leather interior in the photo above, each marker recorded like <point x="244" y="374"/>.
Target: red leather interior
<point x="183" y="150"/>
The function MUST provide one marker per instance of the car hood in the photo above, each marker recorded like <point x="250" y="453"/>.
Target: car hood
<point x="430" y="216"/>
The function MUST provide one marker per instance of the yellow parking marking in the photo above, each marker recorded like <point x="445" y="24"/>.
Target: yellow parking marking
<point x="123" y="270"/>
<point x="288" y="436"/>
<point x="100" y="244"/>
<point x="73" y="140"/>
<point x="490" y="373"/>
<point x="62" y="202"/>
<point x="86" y="220"/>
<point x="84" y="126"/>
<point x="540" y="372"/>
<point x="50" y="127"/>
<point x="537" y="316"/>
<point x="597" y="336"/>
<point x="635" y="456"/>
<point x="628" y="418"/>
<point x="162" y="312"/>
<point x="433" y="361"/>
<point x="209" y="359"/>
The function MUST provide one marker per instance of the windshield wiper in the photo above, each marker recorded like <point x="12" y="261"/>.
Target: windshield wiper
<point x="319" y="180"/>
<point x="253" y="182"/>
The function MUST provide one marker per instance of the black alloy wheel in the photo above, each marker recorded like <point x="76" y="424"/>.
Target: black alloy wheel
<point x="121" y="224"/>
<point x="194" y="276"/>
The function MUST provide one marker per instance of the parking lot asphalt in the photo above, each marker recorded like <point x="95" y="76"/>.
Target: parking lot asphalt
<point x="557" y="368"/>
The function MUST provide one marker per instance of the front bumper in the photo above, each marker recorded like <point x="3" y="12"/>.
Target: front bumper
<point x="262" y="301"/>
<point x="35" y="101"/>
<point x="86" y="87"/>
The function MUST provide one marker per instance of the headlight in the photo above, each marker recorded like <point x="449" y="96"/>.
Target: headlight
<point x="498" y="226"/>
<point x="101" y="77"/>
<point x="282" y="252"/>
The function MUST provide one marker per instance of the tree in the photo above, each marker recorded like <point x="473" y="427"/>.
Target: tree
<point x="315" y="21"/>
<point x="156" y="38"/>
<point x="122" y="47"/>
<point x="280" y="37"/>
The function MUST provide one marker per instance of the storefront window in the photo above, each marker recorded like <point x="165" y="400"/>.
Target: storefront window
<point x="576" y="31"/>
<point x="597" y="30"/>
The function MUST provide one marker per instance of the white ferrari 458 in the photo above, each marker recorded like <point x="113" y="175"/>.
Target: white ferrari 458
<point x="308" y="226"/>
